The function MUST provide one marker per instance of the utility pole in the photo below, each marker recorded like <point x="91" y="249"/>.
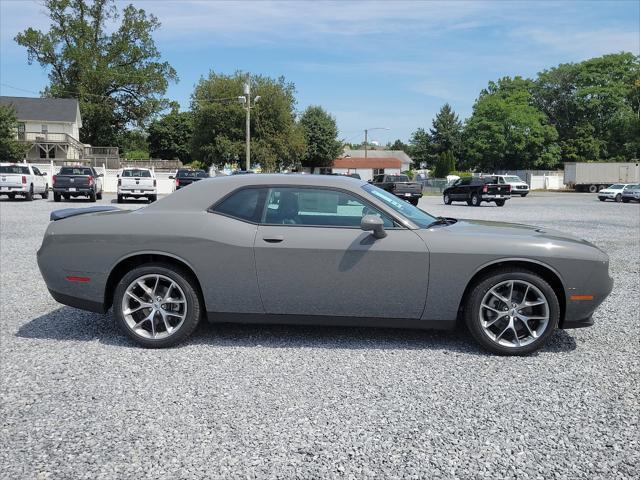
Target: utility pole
<point x="366" y="137"/>
<point x="245" y="100"/>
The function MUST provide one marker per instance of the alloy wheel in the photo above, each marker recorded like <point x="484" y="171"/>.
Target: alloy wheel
<point x="154" y="306"/>
<point x="514" y="313"/>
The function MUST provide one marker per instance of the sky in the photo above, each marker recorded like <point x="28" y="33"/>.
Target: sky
<point x="389" y="64"/>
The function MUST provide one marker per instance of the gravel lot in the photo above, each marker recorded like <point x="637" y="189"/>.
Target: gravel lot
<point x="80" y="401"/>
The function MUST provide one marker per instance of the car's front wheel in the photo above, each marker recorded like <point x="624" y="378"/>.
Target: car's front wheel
<point x="475" y="200"/>
<point x="618" y="198"/>
<point x="512" y="311"/>
<point x="157" y="305"/>
<point x="447" y="199"/>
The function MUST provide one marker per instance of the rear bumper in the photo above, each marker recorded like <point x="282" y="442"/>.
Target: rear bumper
<point x="495" y="197"/>
<point x="408" y="195"/>
<point x="78" y="190"/>
<point x="136" y="191"/>
<point x="13" y="189"/>
<point x="76" y="302"/>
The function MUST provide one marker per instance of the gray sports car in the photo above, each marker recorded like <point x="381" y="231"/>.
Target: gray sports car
<point x="322" y="250"/>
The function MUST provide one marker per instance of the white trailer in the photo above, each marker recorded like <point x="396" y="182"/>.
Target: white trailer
<point x="593" y="177"/>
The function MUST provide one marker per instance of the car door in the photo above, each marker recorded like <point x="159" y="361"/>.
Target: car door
<point x="312" y="258"/>
<point x="38" y="180"/>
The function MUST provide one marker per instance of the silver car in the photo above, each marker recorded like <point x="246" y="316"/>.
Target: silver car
<point x="631" y="193"/>
<point x="318" y="249"/>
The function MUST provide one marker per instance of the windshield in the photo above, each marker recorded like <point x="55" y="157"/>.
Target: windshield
<point x="192" y="173"/>
<point x="616" y="186"/>
<point x="136" y="173"/>
<point x="512" y="179"/>
<point x="14" y="169"/>
<point x="421" y="218"/>
<point x="75" y="171"/>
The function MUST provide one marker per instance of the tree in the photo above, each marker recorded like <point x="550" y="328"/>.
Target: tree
<point x="595" y="107"/>
<point x="506" y="131"/>
<point x="321" y="137"/>
<point x="420" y="150"/>
<point x="219" y="122"/>
<point x="444" y="164"/>
<point x="112" y="67"/>
<point x="11" y="150"/>
<point x="170" y="137"/>
<point x="446" y="131"/>
<point x="399" y="145"/>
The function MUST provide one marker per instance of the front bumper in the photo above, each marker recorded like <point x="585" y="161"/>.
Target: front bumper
<point x="631" y="197"/>
<point x="579" y="312"/>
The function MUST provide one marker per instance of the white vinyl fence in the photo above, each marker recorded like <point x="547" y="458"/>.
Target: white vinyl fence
<point x="110" y="178"/>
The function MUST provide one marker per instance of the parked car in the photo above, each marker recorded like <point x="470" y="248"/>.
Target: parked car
<point x="24" y="180"/>
<point x="137" y="183"/>
<point x="613" y="192"/>
<point x="185" y="176"/>
<point x="318" y="249"/>
<point x="475" y="190"/>
<point x="631" y="193"/>
<point x="518" y="186"/>
<point x="77" y="181"/>
<point x="400" y="186"/>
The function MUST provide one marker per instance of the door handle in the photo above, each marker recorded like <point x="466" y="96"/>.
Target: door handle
<point x="273" y="239"/>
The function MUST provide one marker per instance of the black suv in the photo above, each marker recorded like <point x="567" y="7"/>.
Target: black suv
<point x="475" y="190"/>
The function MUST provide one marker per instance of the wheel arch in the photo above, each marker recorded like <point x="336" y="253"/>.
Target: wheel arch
<point x="548" y="273"/>
<point x="137" y="259"/>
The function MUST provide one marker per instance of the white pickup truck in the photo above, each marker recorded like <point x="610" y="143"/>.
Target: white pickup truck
<point x="137" y="183"/>
<point x="24" y="180"/>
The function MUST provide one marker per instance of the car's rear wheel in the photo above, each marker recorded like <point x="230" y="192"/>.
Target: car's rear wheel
<point x="447" y="199"/>
<point x="524" y="195"/>
<point x="92" y="196"/>
<point x="99" y="196"/>
<point x="475" y="200"/>
<point x="29" y="195"/>
<point x="414" y="201"/>
<point x="157" y="305"/>
<point x="512" y="311"/>
<point x="593" y="188"/>
<point x="12" y="196"/>
<point x="153" y="198"/>
<point x="500" y="203"/>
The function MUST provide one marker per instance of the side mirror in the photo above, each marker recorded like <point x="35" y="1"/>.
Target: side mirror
<point x="373" y="224"/>
<point x="369" y="181"/>
<point x="171" y="177"/>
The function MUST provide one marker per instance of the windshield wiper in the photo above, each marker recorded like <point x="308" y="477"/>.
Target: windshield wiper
<point x="442" y="221"/>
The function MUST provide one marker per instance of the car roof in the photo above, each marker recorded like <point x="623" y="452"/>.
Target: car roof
<point x="200" y="195"/>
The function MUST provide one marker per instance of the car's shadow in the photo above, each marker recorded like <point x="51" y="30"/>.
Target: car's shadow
<point x="67" y="323"/>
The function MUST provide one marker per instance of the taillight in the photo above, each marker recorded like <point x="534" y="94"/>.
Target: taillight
<point x="177" y="182"/>
<point x="90" y="180"/>
<point x="53" y="179"/>
<point x="508" y="188"/>
<point x="154" y="182"/>
<point x="24" y="179"/>
<point x="485" y="189"/>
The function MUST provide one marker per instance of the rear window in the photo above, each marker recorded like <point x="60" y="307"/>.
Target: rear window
<point x="192" y="173"/>
<point x="75" y="171"/>
<point x="486" y="180"/>
<point x="397" y="178"/>
<point x="136" y="173"/>
<point x="14" y="169"/>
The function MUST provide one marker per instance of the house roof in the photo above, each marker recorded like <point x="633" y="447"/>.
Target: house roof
<point x="43" y="109"/>
<point x="369" y="162"/>
<point x="404" y="158"/>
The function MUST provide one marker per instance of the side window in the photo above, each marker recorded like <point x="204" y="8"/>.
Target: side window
<point x="245" y="204"/>
<point x="317" y="207"/>
<point x="500" y="180"/>
<point x="465" y="181"/>
<point x="36" y="171"/>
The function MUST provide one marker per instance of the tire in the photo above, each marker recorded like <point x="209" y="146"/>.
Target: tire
<point x="67" y="197"/>
<point x="618" y="198"/>
<point x="475" y="200"/>
<point x="153" y="198"/>
<point x="92" y="197"/>
<point x="500" y="203"/>
<point x="414" y="201"/>
<point x="593" y="188"/>
<point x="601" y="199"/>
<point x="538" y="288"/>
<point x="45" y="193"/>
<point x="99" y="196"/>
<point x="29" y="196"/>
<point x="184" y="323"/>
<point x="447" y="199"/>
<point x="524" y="195"/>
<point x="12" y="196"/>
<point x="56" y="197"/>
<point x="120" y="199"/>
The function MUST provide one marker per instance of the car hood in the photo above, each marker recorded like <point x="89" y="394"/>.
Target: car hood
<point x="507" y="231"/>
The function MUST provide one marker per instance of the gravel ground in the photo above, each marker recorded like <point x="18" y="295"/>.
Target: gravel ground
<point x="80" y="401"/>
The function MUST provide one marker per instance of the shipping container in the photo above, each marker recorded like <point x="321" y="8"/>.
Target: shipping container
<point x="593" y="177"/>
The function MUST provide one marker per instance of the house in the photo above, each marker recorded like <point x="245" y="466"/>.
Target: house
<point x="50" y="126"/>
<point x="375" y="162"/>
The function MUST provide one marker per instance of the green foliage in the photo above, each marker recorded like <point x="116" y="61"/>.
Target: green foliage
<point x="444" y="164"/>
<point x="595" y="107"/>
<point x="107" y="59"/>
<point x="10" y="149"/>
<point x="170" y="137"/>
<point x="133" y="144"/>
<point x="219" y="122"/>
<point x="137" y="155"/>
<point x="506" y="131"/>
<point x="420" y="150"/>
<point x="399" y="145"/>
<point x="446" y="131"/>
<point x="197" y="165"/>
<point x="321" y="137"/>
